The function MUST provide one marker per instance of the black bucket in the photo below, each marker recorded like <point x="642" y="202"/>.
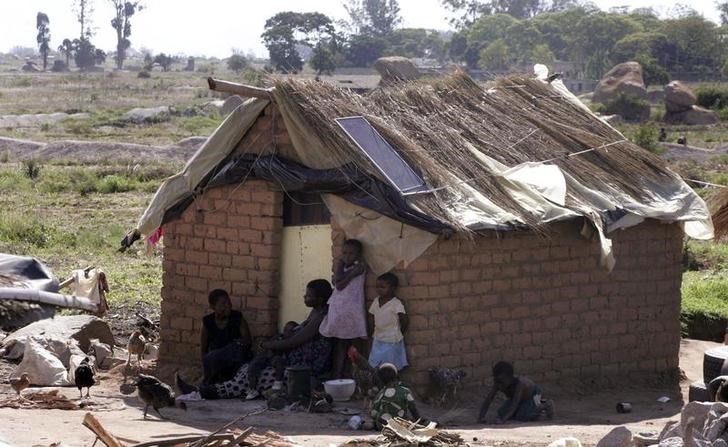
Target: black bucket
<point x="299" y="382"/>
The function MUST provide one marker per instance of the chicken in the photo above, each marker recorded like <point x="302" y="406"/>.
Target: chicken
<point x="137" y="344"/>
<point x="156" y="393"/>
<point x="20" y="383"/>
<point x="444" y="383"/>
<point x="362" y="373"/>
<point x="84" y="377"/>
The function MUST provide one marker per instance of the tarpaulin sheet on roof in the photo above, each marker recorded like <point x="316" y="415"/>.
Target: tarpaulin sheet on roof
<point x="180" y="187"/>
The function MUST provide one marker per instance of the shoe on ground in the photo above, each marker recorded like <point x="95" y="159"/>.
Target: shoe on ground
<point x="252" y="394"/>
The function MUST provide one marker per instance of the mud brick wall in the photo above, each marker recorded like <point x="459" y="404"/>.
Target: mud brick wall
<point x="544" y="304"/>
<point x="230" y="238"/>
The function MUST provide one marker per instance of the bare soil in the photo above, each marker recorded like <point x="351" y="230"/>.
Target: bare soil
<point x="583" y="413"/>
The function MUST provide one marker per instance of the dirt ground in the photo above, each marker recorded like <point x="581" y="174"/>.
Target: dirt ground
<point x="583" y="414"/>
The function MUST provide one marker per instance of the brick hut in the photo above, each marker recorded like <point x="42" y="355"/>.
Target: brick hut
<point x="522" y="227"/>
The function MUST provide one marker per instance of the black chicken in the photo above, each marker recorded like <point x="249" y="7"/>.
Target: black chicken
<point x="156" y="393"/>
<point x="84" y="376"/>
<point x="444" y="383"/>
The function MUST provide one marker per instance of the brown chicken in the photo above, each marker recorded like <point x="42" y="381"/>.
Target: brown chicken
<point x="136" y="346"/>
<point x="20" y="383"/>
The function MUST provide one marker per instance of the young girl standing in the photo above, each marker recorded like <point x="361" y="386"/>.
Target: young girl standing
<point x="390" y="322"/>
<point x="346" y="320"/>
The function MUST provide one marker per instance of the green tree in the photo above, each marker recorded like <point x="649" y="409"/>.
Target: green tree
<point x="123" y="11"/>
<point x="363" y="49"/>
<point x="323" y="58"/>
<point x="558" y="27"/>
<point x="542" y="54"/>
<point x="470" y="10"/>
<point x="695" y="43"/>
<point x="594" y="37"/>
<point x="66" y="49"/>
<point x="164" y="61"/>
<point x="285" y="30"/>
<point x="482" y="33"/>
<point x="723" y="9"/>
<point x="148" y="61"/>
<point x="237" y="62"/>
<point x="375" y="17"/>
<point x="495" y="56"/>
<point x="416" y="42"/>
<point x="521" y="38"/>
<point x="43" y="37"/>
<point x="86" y="55"/>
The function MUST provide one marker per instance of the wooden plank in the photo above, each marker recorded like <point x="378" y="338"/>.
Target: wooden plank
<point x="93" y="424"/>
<point x="246" y="91"/>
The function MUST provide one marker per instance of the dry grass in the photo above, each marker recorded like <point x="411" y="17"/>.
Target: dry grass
<point x="439" y="125"/>
<point x="719" y="202"/>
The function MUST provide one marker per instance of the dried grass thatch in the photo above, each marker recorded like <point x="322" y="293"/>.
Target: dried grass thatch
<point x="437" y="125"/>
<point x="719" y="203"/>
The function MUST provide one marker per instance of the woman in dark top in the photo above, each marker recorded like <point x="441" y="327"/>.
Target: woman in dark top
<point x="225" y="339"/>
<point x="306" y="346"/>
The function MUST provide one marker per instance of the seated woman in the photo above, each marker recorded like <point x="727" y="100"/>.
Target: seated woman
<point x="305" y="346"/>
<point x="225" y="339"/>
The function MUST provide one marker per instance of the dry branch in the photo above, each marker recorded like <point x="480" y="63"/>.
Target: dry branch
<point x="93" y="424"/>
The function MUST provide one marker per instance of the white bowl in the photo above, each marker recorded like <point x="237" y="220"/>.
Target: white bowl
<point x="340" y="390"/>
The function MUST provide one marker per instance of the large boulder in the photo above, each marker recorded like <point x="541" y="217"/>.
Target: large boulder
<point x="82" y="328"/>
<point x="625" y="78"/>
<point x="679" y="97"/>
<point x="148" y="115"/>
<point x="231" y="103"/>
<point x="694" y="116"/>
<point x="396" y="69"/>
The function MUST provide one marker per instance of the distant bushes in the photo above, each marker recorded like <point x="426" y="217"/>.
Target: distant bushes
<point x="629" y="108"/>
<point x="712" y="97"/>
<point x="646" y="137"/>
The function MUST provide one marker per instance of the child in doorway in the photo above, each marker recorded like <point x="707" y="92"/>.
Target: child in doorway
<point x="523" y="402"/>
<point x="346" y="320"/>
<point x="394" y="399"/>
<point x="389" y="319"/>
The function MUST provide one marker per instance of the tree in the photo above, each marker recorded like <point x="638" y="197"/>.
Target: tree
<point x="123" y="11"/>
<point x="44" y="37"/>
<point x="558" y="27"/>
<point x="416" y="42"/>
<point x="695" y="43"/>
<point x="594" y="37"/>
<point x="521" y="38"/>
<point x="287" y="30"/>
<point x="482" y="33"/>
<point x="164" y="61"/>
<point x="66" y="49"/>
<point x="471" y="10"/>
<point x="323" y="58"/>
<point x="375" y="17"/>
<point x="723" y="9"/>
<point x="363" y="49"/>
<point x="542" y="54"/>
<point x="86" y="55"/>
<point x="495" y="56"/>
<point x="84" y="9"/>
<point x="237" y="62"/>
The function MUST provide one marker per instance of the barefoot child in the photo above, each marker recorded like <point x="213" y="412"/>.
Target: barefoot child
<point x="524" y="397"/>
<point x="346" y="320"/>
<point x="394" y="399"/>
<point x="389" y="319"/>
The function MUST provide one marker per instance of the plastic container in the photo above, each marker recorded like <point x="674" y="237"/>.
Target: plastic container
<point x="340" y="390"/>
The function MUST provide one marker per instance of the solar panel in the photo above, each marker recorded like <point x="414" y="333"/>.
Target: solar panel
<point x="382" y="154"/>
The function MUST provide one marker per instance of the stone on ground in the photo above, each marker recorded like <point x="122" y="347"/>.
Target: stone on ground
<point x="81" y="328"/>
<point x="695" y="116"/>
<point x="679" y="97"/>
<point x="625" y="78"/>
<point x="618" y="437"/>
<point x="231" y="103"/>
<point x="148" y="115"/>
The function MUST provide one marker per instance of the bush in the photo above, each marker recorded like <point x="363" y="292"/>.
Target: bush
<point x="31" y="168"/>
<point x="24" y="229"/>
<point x="114" y="183"/>
<point x="630" y="108"/>
<point x="712" y="96"/>
<point x="144" y="74"/>
<point x="646" y="137"/>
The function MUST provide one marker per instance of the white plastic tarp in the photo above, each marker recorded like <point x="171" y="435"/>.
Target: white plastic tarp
<point x="208" y="156"/>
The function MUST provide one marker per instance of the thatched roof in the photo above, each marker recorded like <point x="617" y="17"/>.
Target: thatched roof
<point x="719" y="203"/>
<point x="440" y="126"/>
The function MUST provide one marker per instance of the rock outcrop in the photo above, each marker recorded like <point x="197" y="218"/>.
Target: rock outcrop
<point x="625" y="78"/>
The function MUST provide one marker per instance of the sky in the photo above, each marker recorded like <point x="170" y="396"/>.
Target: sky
<point x="216" y="27"/>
